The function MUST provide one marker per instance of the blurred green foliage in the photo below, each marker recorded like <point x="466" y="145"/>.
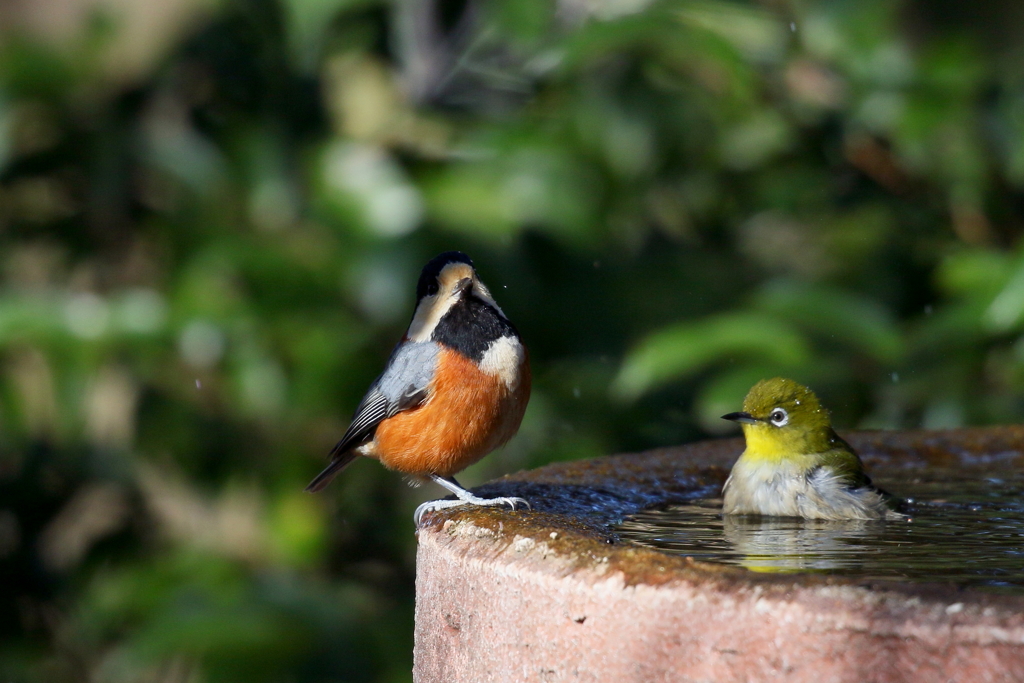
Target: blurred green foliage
<point x="212" y="216"/>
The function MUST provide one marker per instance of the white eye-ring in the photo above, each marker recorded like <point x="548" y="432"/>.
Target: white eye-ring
<point x="779" y="417"/>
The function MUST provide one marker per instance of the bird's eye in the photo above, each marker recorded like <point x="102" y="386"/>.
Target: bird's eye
<point x="779" y="417"/>
<point x="433" y="288"/>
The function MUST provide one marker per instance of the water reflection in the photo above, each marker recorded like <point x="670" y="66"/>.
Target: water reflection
<point x="794" y="545"/>
<point x="763" y="544"/>
<point x="967" y="527"/>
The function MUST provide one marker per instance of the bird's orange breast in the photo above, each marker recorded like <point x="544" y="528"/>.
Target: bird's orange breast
<point x="468" y="414"/>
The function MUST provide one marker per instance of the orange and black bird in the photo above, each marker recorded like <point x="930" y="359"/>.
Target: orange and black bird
<point x="455" y="388"/>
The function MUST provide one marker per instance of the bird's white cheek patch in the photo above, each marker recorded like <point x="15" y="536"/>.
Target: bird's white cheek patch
<point x="503" y="358"/>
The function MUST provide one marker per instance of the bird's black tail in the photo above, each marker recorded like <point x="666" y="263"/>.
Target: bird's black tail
<point x="340" y="462"/>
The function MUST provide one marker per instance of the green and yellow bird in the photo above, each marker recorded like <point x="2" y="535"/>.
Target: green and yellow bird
<point x="795" y="465"/>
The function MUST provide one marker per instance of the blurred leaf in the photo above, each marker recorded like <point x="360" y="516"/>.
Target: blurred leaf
<point x="309" y="23"/>
<point x="298" y="529"/>
<point x="686" y="348"/>
<point x="757" y="33"/>
<point x="28" y="318"/>
<point x="834" y="315"/>
<point x="974" y="273"/>
<point x="528" y="21"/>
<point x="534" y="186"/>
<point x="364" y="181"/>
<point x="1007" y="309"/>
<point x="755" y="140"/>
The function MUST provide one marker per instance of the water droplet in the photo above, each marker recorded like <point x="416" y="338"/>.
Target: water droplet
<point x="895" y="377"/>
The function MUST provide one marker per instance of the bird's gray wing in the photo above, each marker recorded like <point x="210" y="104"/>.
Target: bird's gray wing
<point x="371" y="410"/>
<point x="404" y="385"/>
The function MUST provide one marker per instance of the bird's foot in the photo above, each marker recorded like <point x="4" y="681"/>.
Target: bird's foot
<point x="435" y="505"/>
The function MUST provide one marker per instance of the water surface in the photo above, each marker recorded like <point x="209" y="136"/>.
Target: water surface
<point x="966" y="526"/>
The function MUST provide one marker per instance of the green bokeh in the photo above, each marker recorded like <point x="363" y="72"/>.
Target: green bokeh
<point x="213" y="214"/>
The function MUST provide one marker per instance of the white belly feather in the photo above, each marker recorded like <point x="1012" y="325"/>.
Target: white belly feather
<point x="783" y="489"/>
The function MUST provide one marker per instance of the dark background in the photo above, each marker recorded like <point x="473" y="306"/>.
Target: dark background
<point x="213" y="214"/>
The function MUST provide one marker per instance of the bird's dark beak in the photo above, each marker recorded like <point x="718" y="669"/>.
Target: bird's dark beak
<point x="464" y="285"/>
<point x="744" y="418"/>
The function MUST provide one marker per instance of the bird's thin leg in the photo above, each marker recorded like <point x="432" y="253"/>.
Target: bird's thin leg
<point x="464" y="498"/>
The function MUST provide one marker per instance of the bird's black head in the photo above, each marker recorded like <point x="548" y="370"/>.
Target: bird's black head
<point x="428" y="282"/>
<point x="454" y="308"/>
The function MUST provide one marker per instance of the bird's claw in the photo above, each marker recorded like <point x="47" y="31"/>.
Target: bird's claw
<point x="515" y="500"/>
<point x="436" y="505"/>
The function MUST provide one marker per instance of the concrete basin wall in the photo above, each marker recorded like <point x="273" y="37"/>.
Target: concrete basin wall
<point x="549" y="595"/>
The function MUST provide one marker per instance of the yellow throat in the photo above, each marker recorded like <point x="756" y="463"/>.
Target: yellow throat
<point x="784" y="421"/>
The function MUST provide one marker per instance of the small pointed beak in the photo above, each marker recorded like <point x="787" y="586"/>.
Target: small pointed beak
<point x="744" y="418"/>
<point x="464" y="285"/>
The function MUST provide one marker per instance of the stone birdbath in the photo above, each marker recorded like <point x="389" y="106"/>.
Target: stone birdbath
<point x="554" y="594"/>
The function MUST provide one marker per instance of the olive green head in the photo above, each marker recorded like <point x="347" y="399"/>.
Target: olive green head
<point x="782" y="418"/>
